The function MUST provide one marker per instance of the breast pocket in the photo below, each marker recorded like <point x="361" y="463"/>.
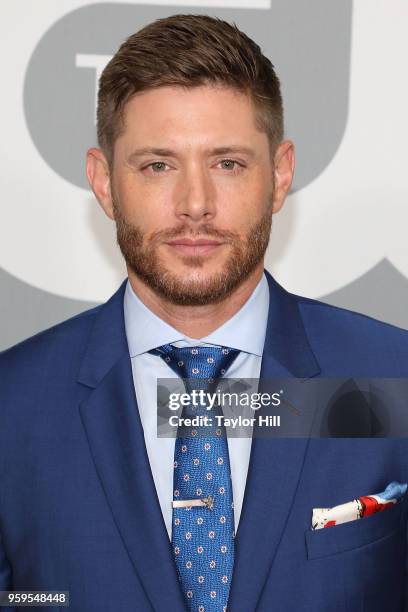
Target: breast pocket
<point x="349" y="536"/>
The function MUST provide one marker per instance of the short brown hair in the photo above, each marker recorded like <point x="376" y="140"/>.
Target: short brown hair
<point x="187" y="51"/>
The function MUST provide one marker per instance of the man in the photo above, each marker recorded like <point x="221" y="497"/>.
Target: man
<point x="191" y="166"/>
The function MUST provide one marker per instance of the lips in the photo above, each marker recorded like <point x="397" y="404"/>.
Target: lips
<point x="189" y="246"/>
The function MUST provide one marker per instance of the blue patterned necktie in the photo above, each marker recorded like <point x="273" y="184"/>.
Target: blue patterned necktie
<point x="202" y="536"/>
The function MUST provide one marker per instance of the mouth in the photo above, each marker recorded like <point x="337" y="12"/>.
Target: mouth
<point x="188" y="246"/>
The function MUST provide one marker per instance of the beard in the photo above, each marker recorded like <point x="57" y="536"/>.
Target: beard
<point x="192" y="289"/>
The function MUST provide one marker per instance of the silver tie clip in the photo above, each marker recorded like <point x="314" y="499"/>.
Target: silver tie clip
<point x="187" y="503"/>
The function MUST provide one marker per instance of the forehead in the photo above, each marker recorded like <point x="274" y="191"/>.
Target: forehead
<point x="206" y="114"/>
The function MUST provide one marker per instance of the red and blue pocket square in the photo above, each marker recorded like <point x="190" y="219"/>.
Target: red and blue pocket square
<point x="361" y="507"/>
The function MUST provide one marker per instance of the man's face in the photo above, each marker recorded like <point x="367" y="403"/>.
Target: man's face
<point x="192" y="190"/>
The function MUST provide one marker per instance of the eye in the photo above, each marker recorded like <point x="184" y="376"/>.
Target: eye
<point x="230" y="164"/>
<point x="156" y="167"/>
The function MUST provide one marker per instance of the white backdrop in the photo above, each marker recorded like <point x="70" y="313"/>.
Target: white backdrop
<point x="342" y="234"/>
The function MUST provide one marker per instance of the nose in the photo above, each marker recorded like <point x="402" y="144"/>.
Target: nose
<point x="195" y="197"/>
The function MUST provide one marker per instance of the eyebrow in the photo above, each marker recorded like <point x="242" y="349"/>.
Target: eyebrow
<point x="161" y="152"/>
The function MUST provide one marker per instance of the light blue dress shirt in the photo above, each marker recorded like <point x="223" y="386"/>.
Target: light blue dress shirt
<point x="244" y="331"/>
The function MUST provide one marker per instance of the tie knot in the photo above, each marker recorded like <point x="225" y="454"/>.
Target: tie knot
<point x="206" y="362"/>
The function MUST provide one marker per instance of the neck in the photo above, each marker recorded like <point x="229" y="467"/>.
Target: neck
<point x="196" y="321"/>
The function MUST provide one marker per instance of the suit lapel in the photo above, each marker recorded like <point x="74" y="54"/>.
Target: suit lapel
<point x="275" y="464"/>
<point x="114" y="432"/>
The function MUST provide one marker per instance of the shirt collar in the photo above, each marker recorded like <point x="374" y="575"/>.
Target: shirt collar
<point x="244" y="331"/>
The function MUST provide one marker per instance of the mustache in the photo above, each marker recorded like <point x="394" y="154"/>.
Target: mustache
<point x="204" y="231"/>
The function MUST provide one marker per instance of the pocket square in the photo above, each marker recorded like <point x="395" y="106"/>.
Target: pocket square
<point x="358" y="508"/>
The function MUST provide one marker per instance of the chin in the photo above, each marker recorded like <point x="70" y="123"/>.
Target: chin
<point x="195" y="276"/>
<point x="182" y="264"/>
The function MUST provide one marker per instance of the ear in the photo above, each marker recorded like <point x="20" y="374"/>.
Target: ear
<point x="97" y="171"/>
<point x="284" y="167"/>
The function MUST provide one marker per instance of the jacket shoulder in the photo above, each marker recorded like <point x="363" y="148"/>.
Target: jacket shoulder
<point x="68" y="337"/>
<point x="320" y="313"/>
<point x="343" y="339"/>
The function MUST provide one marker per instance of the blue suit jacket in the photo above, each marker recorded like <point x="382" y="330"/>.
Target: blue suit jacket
<point x="78" y="506"/>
